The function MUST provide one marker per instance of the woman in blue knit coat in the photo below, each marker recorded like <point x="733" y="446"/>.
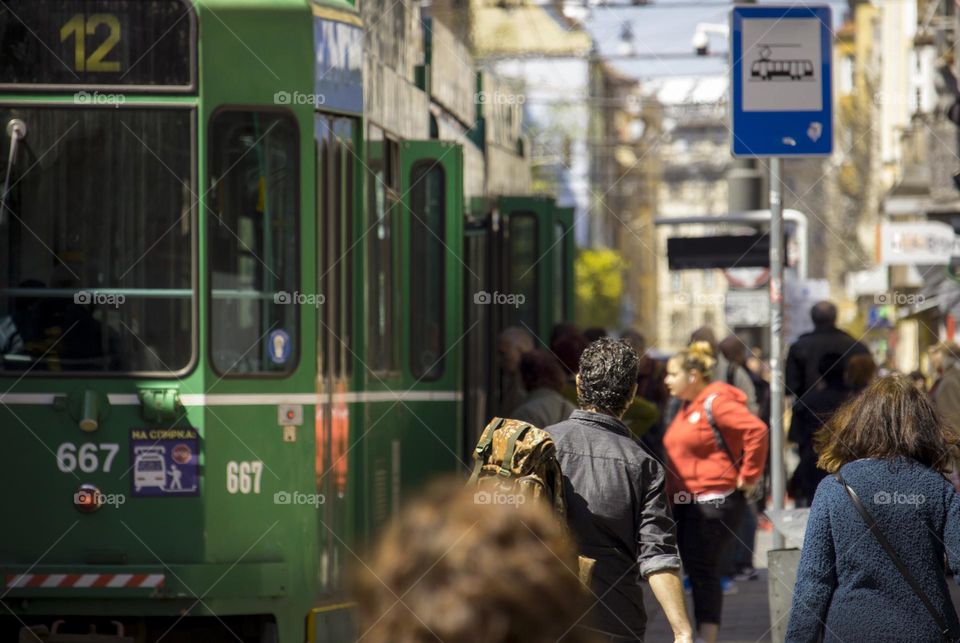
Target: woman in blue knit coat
<point x="892" y="448"/>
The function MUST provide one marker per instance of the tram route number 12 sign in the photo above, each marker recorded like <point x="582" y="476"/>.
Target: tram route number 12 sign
<point x="165" y="462"/>
<point x="781" y="81"/>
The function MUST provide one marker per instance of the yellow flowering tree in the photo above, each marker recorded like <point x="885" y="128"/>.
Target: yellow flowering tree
<point x="598" y="287"/>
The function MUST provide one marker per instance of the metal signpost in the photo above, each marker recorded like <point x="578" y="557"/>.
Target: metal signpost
<point x="781" y="106"/>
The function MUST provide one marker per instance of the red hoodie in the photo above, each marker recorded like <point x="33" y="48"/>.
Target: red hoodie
<point x="695" y="462"/>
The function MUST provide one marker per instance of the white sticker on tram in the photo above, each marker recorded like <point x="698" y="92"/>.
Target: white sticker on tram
<point x="265" y="399"/>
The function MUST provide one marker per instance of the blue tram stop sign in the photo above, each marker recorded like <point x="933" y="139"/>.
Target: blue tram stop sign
<point x="782" y="98"/>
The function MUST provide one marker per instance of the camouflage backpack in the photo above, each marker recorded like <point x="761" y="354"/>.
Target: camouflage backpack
<point x="515" y="461"/>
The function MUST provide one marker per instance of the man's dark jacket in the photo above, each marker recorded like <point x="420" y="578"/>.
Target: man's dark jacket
<point x="803" y="360"/>
<point x="618" y="514"/>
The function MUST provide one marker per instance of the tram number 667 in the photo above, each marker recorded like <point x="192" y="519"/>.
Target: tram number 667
<point x="244" y="477"/>
<point x="88" y="457"/>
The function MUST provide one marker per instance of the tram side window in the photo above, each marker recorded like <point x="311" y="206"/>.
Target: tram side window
<point x="254" y="242"/>
<point x="427" y="229"/>
<point x="523" y="257"/>
<point x="382" y="206"/>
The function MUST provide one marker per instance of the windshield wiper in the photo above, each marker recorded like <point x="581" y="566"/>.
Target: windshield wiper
<point x="17" y="131"/>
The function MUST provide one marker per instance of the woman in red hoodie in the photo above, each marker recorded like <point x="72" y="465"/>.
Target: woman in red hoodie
<point x="710" y="466"/>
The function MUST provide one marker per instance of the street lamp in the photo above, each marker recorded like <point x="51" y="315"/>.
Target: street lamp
<point x="701" y="37"/>
<point x="626" y="48"/>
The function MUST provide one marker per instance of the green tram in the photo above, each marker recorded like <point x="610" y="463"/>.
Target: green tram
<point x="257" y="254"/>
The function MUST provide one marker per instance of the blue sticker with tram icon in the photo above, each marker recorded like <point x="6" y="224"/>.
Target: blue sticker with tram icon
<point x="166" y="462"/>
<point x="279" y="346"/>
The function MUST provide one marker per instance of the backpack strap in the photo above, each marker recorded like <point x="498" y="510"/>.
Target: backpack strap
<point x="721" y="442"/>
<point x="486" y="441"/>
<point x="891" y="552"/>
<point x="510" y="450"/>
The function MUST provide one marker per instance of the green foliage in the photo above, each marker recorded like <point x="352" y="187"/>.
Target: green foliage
<point x="598" y="287"/>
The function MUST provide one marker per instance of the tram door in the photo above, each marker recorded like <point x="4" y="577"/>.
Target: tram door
<point x="480" y="343"/>
<point x="429" y="413"/>
<point x="526" y="239"/>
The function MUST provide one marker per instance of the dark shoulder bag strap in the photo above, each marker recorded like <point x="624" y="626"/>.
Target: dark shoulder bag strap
<point x="731" y="372"/>
<point x="721" y="442"/>
<point x="887" y="547"/>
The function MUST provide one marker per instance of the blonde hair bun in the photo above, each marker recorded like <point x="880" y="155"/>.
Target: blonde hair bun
<point x="700" y="356"/>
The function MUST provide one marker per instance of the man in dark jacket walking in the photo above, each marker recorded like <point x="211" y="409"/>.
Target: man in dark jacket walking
<point x="803" y="360"/>
<point x="616" y="505"/>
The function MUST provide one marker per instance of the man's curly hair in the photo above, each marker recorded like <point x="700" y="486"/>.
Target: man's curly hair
<point x="608" y="372"/>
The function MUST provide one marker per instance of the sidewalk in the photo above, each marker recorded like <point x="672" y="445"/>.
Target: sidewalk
<point x="746" y="615"/>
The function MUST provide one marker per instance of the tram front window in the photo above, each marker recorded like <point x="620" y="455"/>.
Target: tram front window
<point x="96" y="235"/>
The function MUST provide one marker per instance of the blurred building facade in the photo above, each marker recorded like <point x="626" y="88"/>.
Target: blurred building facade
<point x="695" y="153"/>
<point x="593" y="142"/>
<point x="897" y="154"/>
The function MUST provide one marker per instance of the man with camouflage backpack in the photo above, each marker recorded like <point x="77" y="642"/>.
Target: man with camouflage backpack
<point x="615" y="502"/>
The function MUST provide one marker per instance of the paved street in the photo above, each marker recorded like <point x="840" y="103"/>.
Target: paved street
<point x="746" y="614"/>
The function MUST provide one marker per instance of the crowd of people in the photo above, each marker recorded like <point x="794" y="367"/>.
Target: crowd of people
<point x="663" y="466"/>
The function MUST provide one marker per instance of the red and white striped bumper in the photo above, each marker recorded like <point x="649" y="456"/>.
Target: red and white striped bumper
<point x="85" y="581"/>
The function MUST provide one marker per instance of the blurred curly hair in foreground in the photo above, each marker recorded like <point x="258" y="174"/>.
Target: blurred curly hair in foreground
<point x="459" y="567"/>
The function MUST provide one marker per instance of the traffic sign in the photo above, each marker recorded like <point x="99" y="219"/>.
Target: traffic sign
<point x="781" y="85"/>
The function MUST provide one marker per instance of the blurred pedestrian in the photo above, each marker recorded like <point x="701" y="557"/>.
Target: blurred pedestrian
<point x="919" y="380"/>
<point x="817" y="408"/>
<point x="563" y="329"/>
<point x="803" y="358"/>
<point x="616" y="507"/>
<point x="456" y="568"/>
<point x="757" y="365"/>
<point x="945" y="364"/>
<point x="543" y="379"/>
<point x="809" y="373"/>
<point x="643" y="415"/>
<point x="568" y="347"/>
<point x="872" y="564"/>
<point x="512" y="343"/>
<point x="650" y="384"/>
<point x="860" y="371"/>
<point x="716" y="449"/>
<point x="731" y="354"/>
<point x="594" y="333"/>
<point x="652" y="389"/>
<point x="726" y="369"/>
